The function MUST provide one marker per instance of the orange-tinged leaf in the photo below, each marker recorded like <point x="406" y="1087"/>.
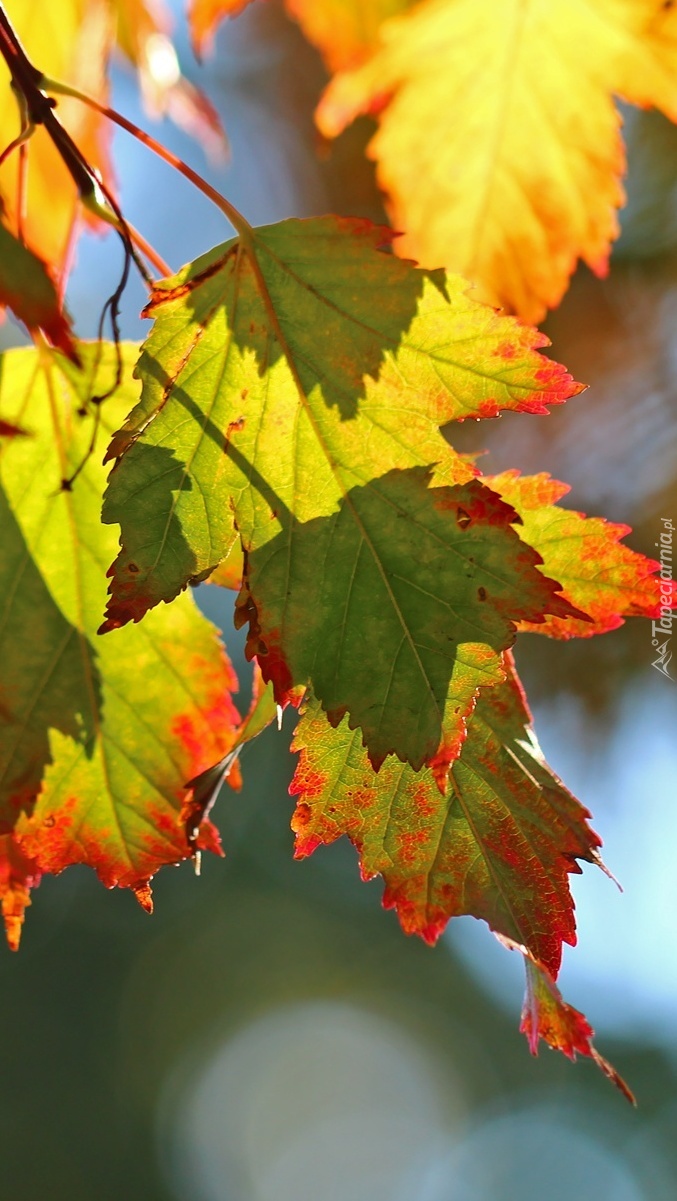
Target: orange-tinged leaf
<point x="18" y="874"/>
<point x="27" y="288"/>
<point x="205" y="15"/>
<point x="499" y="143"/>
<point x="68" y="41"/>
<point x="546" y="1015"/>
<point x="205" y="787"/>
<point x="230" y="570"/>
<point x="344" y="31"/>
<point x="598" y="574"/>
<point x="71" y="42"/>
<point x="97" y="737"/>
<point x="498" y="844"/>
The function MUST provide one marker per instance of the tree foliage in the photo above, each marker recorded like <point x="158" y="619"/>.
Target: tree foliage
<point x="280" y="433"/>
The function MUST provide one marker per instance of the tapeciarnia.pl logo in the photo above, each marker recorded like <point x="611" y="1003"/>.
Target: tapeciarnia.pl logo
<point x="661" y="630"/>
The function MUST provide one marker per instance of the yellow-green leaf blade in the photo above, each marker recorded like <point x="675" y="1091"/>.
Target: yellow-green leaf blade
<point x="97" y="736"/>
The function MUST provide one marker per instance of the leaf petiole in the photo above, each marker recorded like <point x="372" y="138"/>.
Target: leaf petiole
<point x="236" y="218"/>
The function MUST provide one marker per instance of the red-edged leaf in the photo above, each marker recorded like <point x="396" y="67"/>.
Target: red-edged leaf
<point x="294" y="386"/>
<point x="599" y="575"/>
<point x="284" y="370"/>
<point x="205" y="787"/>
<point x="546" y="1015"/>
<point x="97" y="736"/>
<point x="499" y="845"/>
<point x="205" y="15"/>
<point x="427" y="584"/>
<point x="18" y="874"/>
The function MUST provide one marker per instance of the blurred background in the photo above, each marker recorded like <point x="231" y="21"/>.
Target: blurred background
<point x="269" y="1034"/>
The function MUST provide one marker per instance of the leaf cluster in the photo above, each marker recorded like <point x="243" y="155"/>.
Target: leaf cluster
<point x="287" y="431"/>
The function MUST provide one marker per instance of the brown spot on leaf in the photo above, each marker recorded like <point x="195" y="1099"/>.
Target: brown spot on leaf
<point x="162" y="295"/>
<point x="303" y="814"/>
<point x="8" y="430"/>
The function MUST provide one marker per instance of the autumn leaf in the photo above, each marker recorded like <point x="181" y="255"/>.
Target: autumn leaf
<point x="143" y="35"/>
<point x="69" y="41"/>
<point x="18" y="875"/>
<point x="72" y="42"/>
<point x="27" y="288"/>
<point x="599" y="575"/>
<point x="498" y="844"/>
<point x="230" y="571"/>
<point x="344" y="31"/>
<point x="499" y="142"/>
<point x="293" y="388"/>
<point x="205" y="787"/>
<point x="97" y="737"/>
<point x="417" y="595"/>
<point x="205" y="15"/>
<point x="546" y="1015"/>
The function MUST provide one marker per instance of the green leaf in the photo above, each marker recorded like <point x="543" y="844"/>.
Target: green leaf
<point x="293" y="389"/>
<point x="288" y="370"/>
<point x="97" y="736"/>
<point x="396" y="610"/>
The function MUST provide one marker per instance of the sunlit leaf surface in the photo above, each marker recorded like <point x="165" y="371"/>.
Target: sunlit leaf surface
<point x="97" y="736"/>
<point x="499" y="143"/>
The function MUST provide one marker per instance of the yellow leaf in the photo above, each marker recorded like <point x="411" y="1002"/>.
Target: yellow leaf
<point x="69" y="41"/>
<point x="499" y="142"/>
<point x="344" y="31"/>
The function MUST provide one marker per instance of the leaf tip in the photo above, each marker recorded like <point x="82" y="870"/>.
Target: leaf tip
<point x="143" y="893"/>
<point x="546" y="1015"/>
<point x="18" y="874"/>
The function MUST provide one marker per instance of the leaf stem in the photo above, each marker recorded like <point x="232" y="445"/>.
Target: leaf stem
<point x="237" y="220"/>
